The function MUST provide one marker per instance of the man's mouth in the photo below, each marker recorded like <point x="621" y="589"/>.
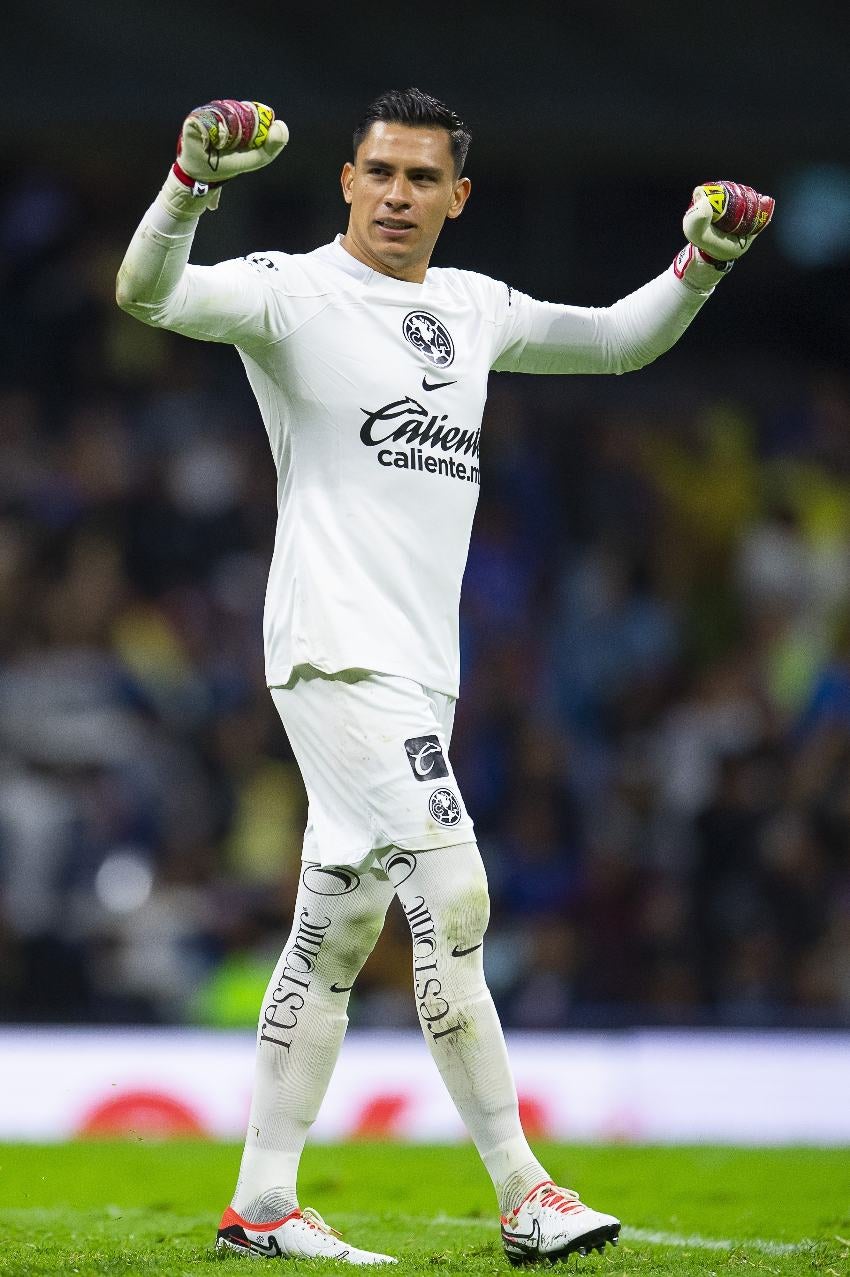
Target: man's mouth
<point x="394" y="226"/>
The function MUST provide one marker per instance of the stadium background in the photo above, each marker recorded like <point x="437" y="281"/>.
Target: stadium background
<point x="654" y="729"/>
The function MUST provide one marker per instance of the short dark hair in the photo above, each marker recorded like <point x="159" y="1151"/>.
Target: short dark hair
<point x="419" y="110"/>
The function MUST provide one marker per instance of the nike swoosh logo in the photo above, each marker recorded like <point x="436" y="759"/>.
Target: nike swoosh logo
<point x="436" y="385"/>
<point x="457" y="952"/>
<point x="270" y="1247"/>
<point x="526" y="1243"/>
<point x="341" y="988"/>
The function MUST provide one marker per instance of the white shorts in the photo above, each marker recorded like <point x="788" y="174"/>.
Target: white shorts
<point x="373" y="753"/>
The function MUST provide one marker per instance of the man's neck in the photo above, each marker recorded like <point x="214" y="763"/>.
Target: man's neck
<point x="412" y="275"/>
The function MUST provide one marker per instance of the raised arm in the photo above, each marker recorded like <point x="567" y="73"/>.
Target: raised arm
<point x="543" y="337"/>
<point x="155" y="284"/>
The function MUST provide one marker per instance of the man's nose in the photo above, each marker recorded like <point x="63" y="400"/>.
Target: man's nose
<point x="398" y="194"/>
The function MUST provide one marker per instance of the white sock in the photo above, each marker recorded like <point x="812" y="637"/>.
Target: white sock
<point x="302" y="1025"/>
<point x="445" y="900"/>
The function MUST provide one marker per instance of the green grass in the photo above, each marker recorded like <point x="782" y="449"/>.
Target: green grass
<point x="140" y="1207"/>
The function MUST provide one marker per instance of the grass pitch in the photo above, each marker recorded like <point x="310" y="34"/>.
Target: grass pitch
<point x="139" y="1207"/>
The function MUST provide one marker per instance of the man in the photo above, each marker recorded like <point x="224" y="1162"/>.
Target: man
<point x="370" y="371"/>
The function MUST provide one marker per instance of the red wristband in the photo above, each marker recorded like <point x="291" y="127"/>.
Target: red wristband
<point x="196" y="187"/>
<point x="689" y="253"/>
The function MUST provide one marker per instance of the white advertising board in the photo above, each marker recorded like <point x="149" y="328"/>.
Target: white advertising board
<point x="638" y="1086"/>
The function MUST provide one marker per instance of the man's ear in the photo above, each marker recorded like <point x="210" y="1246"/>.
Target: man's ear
<point x="346" y="178"/>
<point x="460" y="195"/>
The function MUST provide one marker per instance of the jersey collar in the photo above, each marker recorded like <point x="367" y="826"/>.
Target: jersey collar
<point x="343" y="260"/>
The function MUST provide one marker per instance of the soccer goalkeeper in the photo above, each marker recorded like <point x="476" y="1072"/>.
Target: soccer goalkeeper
<point x="370" y="371"/>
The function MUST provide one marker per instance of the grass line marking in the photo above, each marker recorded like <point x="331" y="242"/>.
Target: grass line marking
<point x="655" y="1238"/>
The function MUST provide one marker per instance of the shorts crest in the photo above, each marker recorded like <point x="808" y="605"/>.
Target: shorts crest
<point x="444" y="807"/>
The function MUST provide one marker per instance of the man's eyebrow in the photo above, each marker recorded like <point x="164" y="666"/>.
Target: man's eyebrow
<point x="375" y="161"/>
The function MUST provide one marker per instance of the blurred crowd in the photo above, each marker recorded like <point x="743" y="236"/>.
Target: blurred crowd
<point x="653" y="735"/>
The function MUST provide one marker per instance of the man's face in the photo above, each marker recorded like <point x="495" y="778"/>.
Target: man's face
<point x="401" y="188"/>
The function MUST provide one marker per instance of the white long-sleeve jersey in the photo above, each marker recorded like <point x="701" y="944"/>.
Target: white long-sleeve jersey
<point x="372" y="392"/>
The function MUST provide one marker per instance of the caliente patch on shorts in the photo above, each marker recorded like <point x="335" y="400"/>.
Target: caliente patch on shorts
<point x="425" y="755"/>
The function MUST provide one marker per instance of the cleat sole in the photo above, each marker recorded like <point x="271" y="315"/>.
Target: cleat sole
<point x="594" y="1240"/>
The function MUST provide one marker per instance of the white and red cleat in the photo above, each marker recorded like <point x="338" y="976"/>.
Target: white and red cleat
<point x="301" y="1235"/>
<point x="551" y="1223"/>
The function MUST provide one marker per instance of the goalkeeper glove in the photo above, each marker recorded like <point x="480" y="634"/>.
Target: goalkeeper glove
<point x="720" y="224"/>
<point x="219" y="141"/>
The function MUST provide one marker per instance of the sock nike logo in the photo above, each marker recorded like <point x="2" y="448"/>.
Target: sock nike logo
<point x="436" y="385"/>
<point x="341" y="988"/>
<point x="457" y="952"/>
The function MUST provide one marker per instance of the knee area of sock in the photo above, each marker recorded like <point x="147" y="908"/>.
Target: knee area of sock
<point x="465" y="912"/>
<point x="349" y="946"/>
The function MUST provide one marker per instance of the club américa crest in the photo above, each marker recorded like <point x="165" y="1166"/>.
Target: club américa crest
<point x="430" y="337"/>
<point x="444" y="807"/>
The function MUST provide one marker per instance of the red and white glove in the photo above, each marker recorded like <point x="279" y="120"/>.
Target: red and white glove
<point x="218" y="141"/>
<point x="720" y="224"/>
